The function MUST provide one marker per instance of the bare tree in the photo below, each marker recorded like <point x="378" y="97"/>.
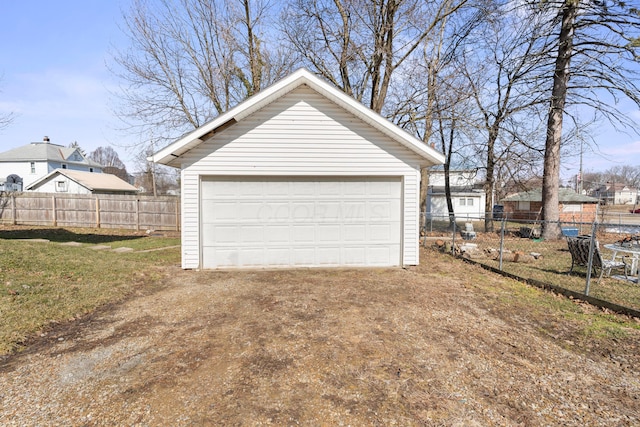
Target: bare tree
<point x="107" y="157"/>
<point x="154" y="179"/>
<point x="595" y="61"/>
<point x="6" y="118"/>
<point x="358" y="45"/>
<point x="431" y="96"/>
<point x="505" y="53"/>
<point x="190" y="60"/>
<point x="110" y="161"/>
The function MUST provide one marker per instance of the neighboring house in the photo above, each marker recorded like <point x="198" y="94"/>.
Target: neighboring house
<point x="33" y="161"/>
<point x="300" y="174"/>
<point x="77" y="182"/>
<point x="11" y="183"/>
<point x="573" y="207"/>
<point x="615" y="194"/>
<point x="467" y="196"/>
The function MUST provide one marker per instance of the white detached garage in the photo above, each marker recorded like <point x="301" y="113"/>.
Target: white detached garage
<point x="300" y="174"/>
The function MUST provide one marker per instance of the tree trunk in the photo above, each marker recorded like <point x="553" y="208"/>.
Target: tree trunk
<point x="447" y="166"/>
<point x="551" y="177"/>
<point x="489" y="180"/>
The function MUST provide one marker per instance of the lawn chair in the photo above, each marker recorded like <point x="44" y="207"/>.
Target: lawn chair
<point x="579" y="249"/>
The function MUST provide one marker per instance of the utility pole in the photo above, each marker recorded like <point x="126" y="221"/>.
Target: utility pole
<point x="580" y="172"/>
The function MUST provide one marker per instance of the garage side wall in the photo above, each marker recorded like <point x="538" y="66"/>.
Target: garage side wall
<point x="300" y="134"/>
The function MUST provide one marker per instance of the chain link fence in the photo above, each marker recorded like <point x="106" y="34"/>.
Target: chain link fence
<point x="596" y="262"/>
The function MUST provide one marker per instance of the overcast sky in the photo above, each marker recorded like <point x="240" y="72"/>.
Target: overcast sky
<point x="54" y="60"/>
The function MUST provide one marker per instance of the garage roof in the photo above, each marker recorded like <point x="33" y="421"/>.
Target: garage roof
<point x="172" y="152"/>
<point x="90" y="180"/>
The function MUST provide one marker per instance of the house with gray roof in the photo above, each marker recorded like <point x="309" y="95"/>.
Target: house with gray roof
<point x="78" y="182"/>
<point x="33" y="161"/>
<point x="573" y="207"/>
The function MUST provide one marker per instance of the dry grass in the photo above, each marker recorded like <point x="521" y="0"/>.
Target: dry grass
<point x="445" y="343"/>
<point x="432" y="346"/>
<point x="554" y="265"/>
<point x="44" y="282"/>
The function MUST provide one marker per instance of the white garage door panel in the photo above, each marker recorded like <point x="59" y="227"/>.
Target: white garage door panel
<point x="300" y="222"/>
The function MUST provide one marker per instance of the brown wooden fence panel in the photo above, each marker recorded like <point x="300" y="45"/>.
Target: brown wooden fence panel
<point x="91" y="210"/>
<point x="6" y="209"/>
<point x="78" y="211"/>
<point x="33" y="210"/>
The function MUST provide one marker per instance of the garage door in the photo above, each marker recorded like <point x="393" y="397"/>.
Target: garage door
<point x="300" y="221"/>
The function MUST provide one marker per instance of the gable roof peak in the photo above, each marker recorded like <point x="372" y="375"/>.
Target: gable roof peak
<point x="302" y="76"/>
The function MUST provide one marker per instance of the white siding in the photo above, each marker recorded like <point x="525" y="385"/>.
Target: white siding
<point x="301" y="134"/>
<point x="51" y="186"/>
<point x="23" y="170"/>
<point x="437" y="206"/>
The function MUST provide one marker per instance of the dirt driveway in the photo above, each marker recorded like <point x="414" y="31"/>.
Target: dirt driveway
<point x="436" y="345"/>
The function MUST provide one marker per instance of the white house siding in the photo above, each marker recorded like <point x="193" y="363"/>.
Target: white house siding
<point x="626" y="196"/>
<point x="50" y="186"/>
<point x="301" y="134"/>
<point x="23" y="170"/>
<point x="437" y="206"/>
<point x="42" y="168"/>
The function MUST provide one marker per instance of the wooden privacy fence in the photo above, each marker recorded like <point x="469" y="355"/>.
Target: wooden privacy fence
<point x="91" y="210"/>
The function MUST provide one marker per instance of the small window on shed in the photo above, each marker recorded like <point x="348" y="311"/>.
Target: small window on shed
<point x="524" y="206"/>
<point x="463" y="201"/>
<point x="61" y="186"/>
<point x="469" y="202"/>
<point x="64" y="166"/>
<point x="90" y="169"/>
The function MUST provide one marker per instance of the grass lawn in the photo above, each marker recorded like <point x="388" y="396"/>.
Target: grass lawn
<point x="553" y="267"/>
<point x="44" y="282"/>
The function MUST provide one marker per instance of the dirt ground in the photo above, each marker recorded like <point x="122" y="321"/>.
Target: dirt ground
<point x="432" y="345"/>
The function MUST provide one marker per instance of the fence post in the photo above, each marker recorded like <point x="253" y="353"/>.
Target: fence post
<point x="592" y="244"/>
<point x="97" y="212"/>
<point x="501" y="243"/>
<point x="13" y="209"/>
<point x="137" y="214"/>
<point x="54" y="214"/>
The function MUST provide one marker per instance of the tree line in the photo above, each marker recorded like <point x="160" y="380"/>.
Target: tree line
<point x="505" y="87"/>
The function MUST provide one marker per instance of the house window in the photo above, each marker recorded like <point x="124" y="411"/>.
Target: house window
<point x="61" y="186"/>
<point x="524" y="206"/>
<point x="571" y="208"/>
<point x="469" y="202"/>
<point x="33" y="167"/>
<point x="64" y="166"/>
<point x="463" y="201"/>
